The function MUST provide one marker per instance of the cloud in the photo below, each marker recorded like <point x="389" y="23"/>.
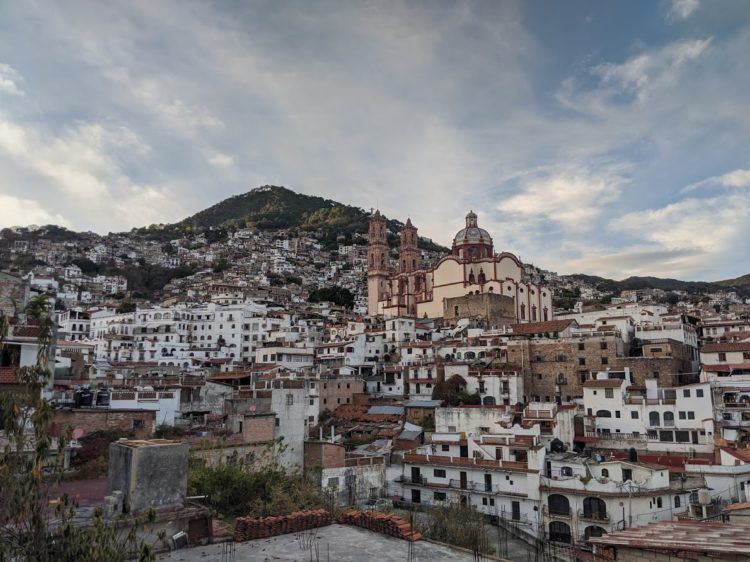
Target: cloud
<point x="681" y="9"/>
<point x="571" y="197"/>
<point x="643" y="73"/>
<point x="705" y="232"/>
<point x="736" y="178"/>
<point x="15" y="211"/>
<point x="9" y="80"/>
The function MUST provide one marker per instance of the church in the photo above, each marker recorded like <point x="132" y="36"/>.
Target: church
<point x="472" y="269"/>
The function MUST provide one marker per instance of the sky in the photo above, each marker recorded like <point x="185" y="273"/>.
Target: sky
<point x="609" y="138"/>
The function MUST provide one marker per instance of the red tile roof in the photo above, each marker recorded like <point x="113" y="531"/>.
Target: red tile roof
<point x="540" y="327"/>
<point x="681" y="536"/>
<point x="729" y="346"/>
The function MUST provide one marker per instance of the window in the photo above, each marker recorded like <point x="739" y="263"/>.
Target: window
<point x="605" y="473"/>
<point x="698" y="394"/>
<point x="605" y="361"/>
<point x="439" y="496"/>
<point x="582" y="361"/>
<point x="439" y="473"/>
<point x="333" y="482"/>
<point x="139" y="424"/>
<point x="617" y="415"/>
<point x="609" y="393"/>
<point x="633" y="415"/>
<point x="603" y="345"/>
<point x="683" y="415"/>
<point x="722" y="356"/>
<point x="627" y="474"/>
<point x="584" y="377"/>
<point x="289" y="399"/>
<point x="686" y="393"/>
<point x="581" y="346"/>
<point x="566" y="471"/>
<point x="691" y="415"/>
<point x="677" y="501"/>
<point x="658" y="502"/>
<point x="445" y="448"/>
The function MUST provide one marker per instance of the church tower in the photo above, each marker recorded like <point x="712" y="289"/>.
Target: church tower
<point x="408" y="258"/>
<point x="377" y="262"/>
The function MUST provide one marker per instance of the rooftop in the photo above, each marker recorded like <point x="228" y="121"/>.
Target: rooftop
<point x="692" y="536"/>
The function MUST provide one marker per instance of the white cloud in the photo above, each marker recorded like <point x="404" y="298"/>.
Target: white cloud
<point x="9" y="80"/>
<point x="15" y="211"/>
<point x="643" y="73"/>
<point x="736" y="178"/>
<point x="682" y="9"/>
<point x="571" y="197"/>
<point x="708" y="231"/>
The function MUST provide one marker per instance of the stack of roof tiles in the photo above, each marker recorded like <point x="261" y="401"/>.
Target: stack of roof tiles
<point x="249" y="528"/>
<point x="387" y="524"/>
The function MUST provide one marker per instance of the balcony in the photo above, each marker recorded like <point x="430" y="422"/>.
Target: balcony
<point x="597" y="517"/>
<point x="557" y="514"/>
<point x="464" y="485"/>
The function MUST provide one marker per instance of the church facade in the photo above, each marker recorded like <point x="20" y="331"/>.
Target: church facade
<point x="472" y="268"/>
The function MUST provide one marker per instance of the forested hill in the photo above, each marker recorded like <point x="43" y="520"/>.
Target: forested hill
<point x="273" y="207"/>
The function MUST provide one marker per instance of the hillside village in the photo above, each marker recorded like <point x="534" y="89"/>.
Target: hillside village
<point x="563" y="408"/>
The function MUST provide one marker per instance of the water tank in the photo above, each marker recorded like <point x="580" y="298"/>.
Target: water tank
<point x="102" y="397"/>
<point x="87" y="397"/>
<point x="704" y="496"/>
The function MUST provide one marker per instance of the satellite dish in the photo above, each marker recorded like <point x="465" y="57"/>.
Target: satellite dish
<point x="78" y="432"/>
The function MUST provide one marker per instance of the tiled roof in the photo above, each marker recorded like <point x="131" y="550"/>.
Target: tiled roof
<point x="540" y="327"/>
<point x="730" y="346"/>
<point x="603" y="383"/>
<point x="693" y="536"/>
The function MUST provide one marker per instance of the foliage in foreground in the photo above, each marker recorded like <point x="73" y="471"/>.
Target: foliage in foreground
<point x="31" y="464"/>
<point x="457" y="525"/>
<point x="246" y="487"/>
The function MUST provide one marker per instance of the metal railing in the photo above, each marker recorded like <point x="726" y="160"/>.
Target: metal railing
<point x="594" y="515"/>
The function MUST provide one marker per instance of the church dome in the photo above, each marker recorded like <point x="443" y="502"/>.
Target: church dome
<point x="472" y="234"/>
<point x="472" y="241"/>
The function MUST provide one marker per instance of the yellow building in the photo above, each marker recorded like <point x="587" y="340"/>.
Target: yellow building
<point x="472" y="268"/>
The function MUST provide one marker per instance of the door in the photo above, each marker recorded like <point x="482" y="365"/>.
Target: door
<point x="416" y="496"/>
<point x="416" y="477"/>
<point x="464" y="451"/>
<point x="463" y="480"/>
<point x="488" y="482"/>
<point x="515" y="512"/>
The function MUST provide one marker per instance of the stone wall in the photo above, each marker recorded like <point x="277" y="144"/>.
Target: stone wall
<point x="140" y="422"/>
<point x="493" y="309"/>
<point x="151" y="474"/>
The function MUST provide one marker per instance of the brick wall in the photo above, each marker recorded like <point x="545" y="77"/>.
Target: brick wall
<point x="334" y="392"/>
<point x="320" y="454"/>
<point x="140" y="422"/>
<point x="258" y="429"/>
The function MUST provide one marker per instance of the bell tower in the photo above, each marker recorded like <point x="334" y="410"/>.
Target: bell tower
<point x="377" y="262"/>
<point x="408" y="258"/>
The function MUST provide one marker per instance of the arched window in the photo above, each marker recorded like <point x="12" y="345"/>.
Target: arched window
<point x="595" y="508"/>
<point x="558" y="504"/>
<point x="653" y="419"/>
<point x="603" y="414"/>
<point x="593" y="531"/>
<point x="559" y="532"/>
<point x="489" y="401"/>
<point x="545" y="314"/>
<point x="566" y="471"/>
<point x="523" y="312"/>
<point x="471" y="276"/>
<point x="533" y="313"/>
<point x="482" y="278"/>
<point x="605" y="473"/>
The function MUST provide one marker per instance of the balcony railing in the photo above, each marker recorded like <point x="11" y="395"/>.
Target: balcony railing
<point x="593" y="516"/>
<point x="463" y="485"/>
<point x="560" y="514"/>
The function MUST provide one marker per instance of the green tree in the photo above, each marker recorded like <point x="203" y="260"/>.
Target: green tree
<point x="126" y="306"/>
<point x="31" y="464"/>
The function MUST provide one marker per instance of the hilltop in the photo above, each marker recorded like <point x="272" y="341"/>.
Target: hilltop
<point x="272" y="207"/>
